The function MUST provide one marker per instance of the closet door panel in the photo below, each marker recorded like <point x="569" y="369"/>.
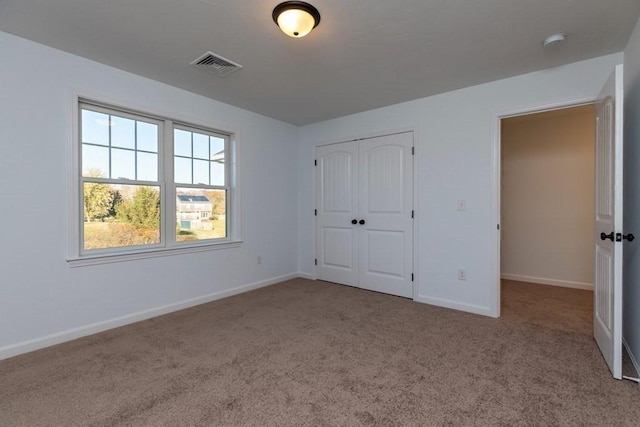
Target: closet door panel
<point x="336" y="192"/>
<point x="386" y="201"/>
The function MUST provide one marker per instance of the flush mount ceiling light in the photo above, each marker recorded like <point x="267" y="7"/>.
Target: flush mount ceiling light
<point x="296" y="18"/>
<point x="554" y="40"/>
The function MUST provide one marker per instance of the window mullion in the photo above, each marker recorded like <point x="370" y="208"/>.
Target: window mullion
<point x="168" y="179"/>
<point x="110" y="149"/>
<point x="135" y="149"/>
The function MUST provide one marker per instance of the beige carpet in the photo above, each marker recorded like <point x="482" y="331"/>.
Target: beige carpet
<point x="313" y="353"/>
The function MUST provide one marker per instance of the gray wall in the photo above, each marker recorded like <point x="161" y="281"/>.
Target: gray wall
<point x="42" y="300"/>
<point x="631" y="263"/>
<point x="456" y="142"/>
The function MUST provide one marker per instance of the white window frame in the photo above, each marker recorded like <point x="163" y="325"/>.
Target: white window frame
<point x="78" y="256"/>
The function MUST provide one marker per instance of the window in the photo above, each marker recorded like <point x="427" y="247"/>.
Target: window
<point x="201" y="179"/>
<point x="149" y="183"/>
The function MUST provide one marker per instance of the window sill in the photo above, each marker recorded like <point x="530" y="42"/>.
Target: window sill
<point x="149" y="253"/>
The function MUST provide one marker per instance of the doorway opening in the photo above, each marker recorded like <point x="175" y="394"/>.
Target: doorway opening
<point x="607" y="212"/>
<point x="547" y="189"/>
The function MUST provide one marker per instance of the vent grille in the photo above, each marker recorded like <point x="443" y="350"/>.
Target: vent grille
<point x="215" y="64"/>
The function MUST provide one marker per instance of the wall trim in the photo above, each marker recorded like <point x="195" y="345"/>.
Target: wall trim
<point x="634" y="361"/>
<point x="308" y="276"/>
<point x="454" y="305"/>
<point x="544" y="281"/>
<point x="83" y="331"/>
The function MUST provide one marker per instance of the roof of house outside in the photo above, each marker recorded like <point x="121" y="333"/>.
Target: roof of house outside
<point x="189" y="198"/>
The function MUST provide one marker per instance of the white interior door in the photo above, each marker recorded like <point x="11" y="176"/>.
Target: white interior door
<point x="607" y="307"/>
<point x="337" y="189"/>
<point x="364" y="225"/>
<point x="386" y="203"/>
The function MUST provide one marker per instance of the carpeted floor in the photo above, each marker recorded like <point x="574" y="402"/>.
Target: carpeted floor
<point x="313" y="353"/>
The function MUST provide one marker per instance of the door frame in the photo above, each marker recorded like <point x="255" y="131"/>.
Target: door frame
<point x="415" y="194"/>
<point x="496" y="166"/>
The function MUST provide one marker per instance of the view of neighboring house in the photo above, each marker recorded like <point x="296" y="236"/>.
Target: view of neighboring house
<point x="193" y="212"/>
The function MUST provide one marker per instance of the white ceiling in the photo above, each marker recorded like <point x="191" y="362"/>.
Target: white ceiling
<point x="364" y="54"/>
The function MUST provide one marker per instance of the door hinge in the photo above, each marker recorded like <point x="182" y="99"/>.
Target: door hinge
<point x="315" y="212"/>
<point x="412" y="277"/>
<point x="413" y="214"/>
<point x="413" y="151"/>
<point x="315" y="163"/>
<point x="316" y="261"/>
<point x="498" y="226"/>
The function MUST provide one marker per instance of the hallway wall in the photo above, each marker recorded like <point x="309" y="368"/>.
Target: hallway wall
<point x="548" y="196"/>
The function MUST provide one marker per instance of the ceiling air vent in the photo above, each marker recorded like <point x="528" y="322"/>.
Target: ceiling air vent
<point x="215" y="64"/>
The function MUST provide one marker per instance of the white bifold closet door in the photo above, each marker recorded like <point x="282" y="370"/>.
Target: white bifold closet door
<point x="364" y="226"/>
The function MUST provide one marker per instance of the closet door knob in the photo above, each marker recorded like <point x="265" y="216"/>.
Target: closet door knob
<point x="362" y="222"/>
<point x="354" y="221"/>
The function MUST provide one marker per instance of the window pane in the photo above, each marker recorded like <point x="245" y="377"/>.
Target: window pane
<point x="201" y="172"/>
<point x="217" y="148"/>
<point x="123" y="132"/>
<point x="120" y="215"/>
<point x="147" y="136"/>
<point x="182" y="170"/>
<point x="200" y="214"/>
<point x="147" y="166"/>
<point x="200" y="146"/>
<point x="95" y="127"/>
<point x="217" y="174"/>
<point x="95" y="161"/>
<point x="218" y="160"/>
<point x="123" y="164"/>
<point x="181" y="143"/>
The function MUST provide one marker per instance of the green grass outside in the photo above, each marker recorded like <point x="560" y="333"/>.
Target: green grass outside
<point x="112" y="234"/>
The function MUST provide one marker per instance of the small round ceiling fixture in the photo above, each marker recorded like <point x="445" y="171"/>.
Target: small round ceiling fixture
<point x="554" y="40"/>
<point x="296" y="18"/>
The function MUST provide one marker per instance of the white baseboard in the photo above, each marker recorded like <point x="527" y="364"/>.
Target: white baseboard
<point x="469" y="308"/>
<point x="83" y="331"/>
<point x="307" y="276"/>
<point x="634" y="361"/>
<point x="544" y="281"/>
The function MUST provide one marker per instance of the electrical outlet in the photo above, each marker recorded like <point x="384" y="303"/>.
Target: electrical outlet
<point x="462" y="274"/>
<point x="462" y="205"/>
<point x="259" y="260"/>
